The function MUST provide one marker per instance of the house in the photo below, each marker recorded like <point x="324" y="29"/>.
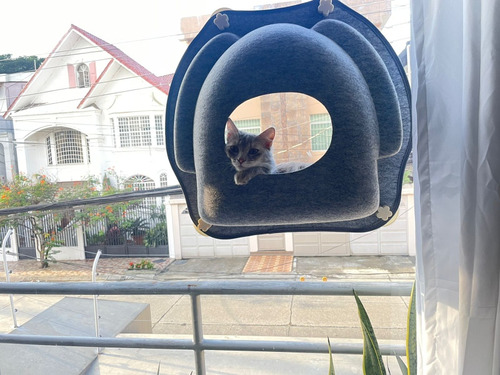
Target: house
<point x="89" y="108"/>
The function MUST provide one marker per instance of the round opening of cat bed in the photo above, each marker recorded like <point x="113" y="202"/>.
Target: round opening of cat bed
<point x="303" y="127"/>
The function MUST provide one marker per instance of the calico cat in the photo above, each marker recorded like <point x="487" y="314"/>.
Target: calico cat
<point x="252" y="155"/>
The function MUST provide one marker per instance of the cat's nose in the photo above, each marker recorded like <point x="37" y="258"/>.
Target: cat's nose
<point x="241" y="160"/>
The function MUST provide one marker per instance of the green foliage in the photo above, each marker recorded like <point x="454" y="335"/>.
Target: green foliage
<point x="39" y="189"/>
<point x="372" y="359"/>
<point x="142" y="265"/>
<point x="408" y="176"/>
<point x="9" y="65"/>
<point x="402" y="366"/>
<point x="23" y="191"/>
<point x="157" y="235"/>
<point x="136" y="227"/>
<point x="411" y="339"/>
<point x="331" y="369"/>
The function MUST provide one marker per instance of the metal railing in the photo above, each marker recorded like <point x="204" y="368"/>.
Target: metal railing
<point x="195" y="289"/>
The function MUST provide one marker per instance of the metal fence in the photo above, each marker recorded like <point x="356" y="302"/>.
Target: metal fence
<point x="143" y="219"/>
<point x="66" y="235"/>
<point x="195" y="289"/>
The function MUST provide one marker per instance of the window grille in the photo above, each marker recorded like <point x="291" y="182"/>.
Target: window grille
<point x="87" y="144"/>
<point x="163" y="180"/>
<point x="160" y="134"/>
<point x="69" y="149"/>
<point x="249" y="126"/>
<point x="140" y="182"/>
<point x="49" y="151"/>
<point x="114" y="132"/>
<point x="83" y="75"/>
<point x="321" y="131"/>
<point x="134" y="131"/>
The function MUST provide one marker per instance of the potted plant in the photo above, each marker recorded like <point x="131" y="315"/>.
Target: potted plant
<point x="156" y="239"/>
<point x="136" y="228"/>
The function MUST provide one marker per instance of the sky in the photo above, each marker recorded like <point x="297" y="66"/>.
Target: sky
<point x="147" y="30"/>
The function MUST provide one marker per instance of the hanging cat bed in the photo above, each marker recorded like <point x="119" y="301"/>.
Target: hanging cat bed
<point x="323" y="50"/>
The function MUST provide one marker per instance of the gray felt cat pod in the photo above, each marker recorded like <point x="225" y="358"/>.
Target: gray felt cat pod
<point x="342" y="61"/>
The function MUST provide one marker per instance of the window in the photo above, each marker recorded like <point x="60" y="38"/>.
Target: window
<point x="163" y="180"/>
<point x="49" y="151"/>
<point x="249" y="126"/>
<point x="160" y="134"/>
<point x="321" y="131"/>
<point x="67" y="147"/>
<point x="140" y="182"/>
<point x="83" y="75"/>
<point x="134" y="131"/>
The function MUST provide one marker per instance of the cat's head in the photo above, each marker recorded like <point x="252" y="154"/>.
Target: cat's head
<point x="248" y="150"/>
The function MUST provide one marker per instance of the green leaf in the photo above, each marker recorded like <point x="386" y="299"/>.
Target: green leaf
<point x="331" y="370"/>
<point x="402" y="366"/>
<point x="411" y="338"/>
<point x="372" y="359"/>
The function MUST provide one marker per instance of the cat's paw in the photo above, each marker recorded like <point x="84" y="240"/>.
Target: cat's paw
<point x="241" y="179"/>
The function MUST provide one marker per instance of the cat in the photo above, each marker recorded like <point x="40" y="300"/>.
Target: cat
<point x="252" y="154"/>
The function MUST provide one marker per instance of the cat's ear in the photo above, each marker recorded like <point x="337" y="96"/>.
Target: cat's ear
<point x="232" y="131"/>
<point x="267" y="136"/>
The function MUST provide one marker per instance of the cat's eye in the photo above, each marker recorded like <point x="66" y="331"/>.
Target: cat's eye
<point x="253" y="152"/>
<point x="233" y="149"/>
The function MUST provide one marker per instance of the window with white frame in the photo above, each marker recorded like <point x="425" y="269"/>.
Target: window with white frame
<point x="160" y="134"/>
<point x="251" y="126"/>
<point x="82" y="76"/>
<point x="321" y="131"/>
<point x="67" y="147"/>
<point x="134" y="131"/>
<point x="138" y="131"/>
<point x="140" y="182"/>
<point x="163" y="180"/>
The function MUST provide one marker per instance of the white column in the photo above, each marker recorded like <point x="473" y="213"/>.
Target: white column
<point x="172" y="214"/>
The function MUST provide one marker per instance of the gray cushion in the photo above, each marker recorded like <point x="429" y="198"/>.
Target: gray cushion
<point x="343" y="62"/>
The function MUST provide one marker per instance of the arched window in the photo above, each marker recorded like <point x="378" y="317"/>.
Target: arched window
<point x="83" y="75"/>
<point x="67" y="147"/>
<point x="140" y="182"/>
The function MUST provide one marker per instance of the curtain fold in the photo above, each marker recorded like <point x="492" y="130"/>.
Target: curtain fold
<point x="456" y="107"/>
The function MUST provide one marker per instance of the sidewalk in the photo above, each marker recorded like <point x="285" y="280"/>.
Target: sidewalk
<point x="367" y="268"/>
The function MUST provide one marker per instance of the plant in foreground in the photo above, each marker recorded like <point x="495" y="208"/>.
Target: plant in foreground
<point x="372" y="358"/>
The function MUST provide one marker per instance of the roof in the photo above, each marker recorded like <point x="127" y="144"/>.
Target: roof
<point x="161" y="83"/>
<point x="125" y="60"/>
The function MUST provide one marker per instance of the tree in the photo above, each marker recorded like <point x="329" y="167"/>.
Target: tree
<point x="26" y="191"/>
<point x="10" y="65"/>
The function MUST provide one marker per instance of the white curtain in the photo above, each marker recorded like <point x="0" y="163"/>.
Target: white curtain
<point x="456" y="109"/>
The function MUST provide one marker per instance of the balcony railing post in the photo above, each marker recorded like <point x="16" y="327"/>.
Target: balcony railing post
<point x="96" y="307"/>
<point x="199" y="352"/>
<point x="7" y="273"/>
